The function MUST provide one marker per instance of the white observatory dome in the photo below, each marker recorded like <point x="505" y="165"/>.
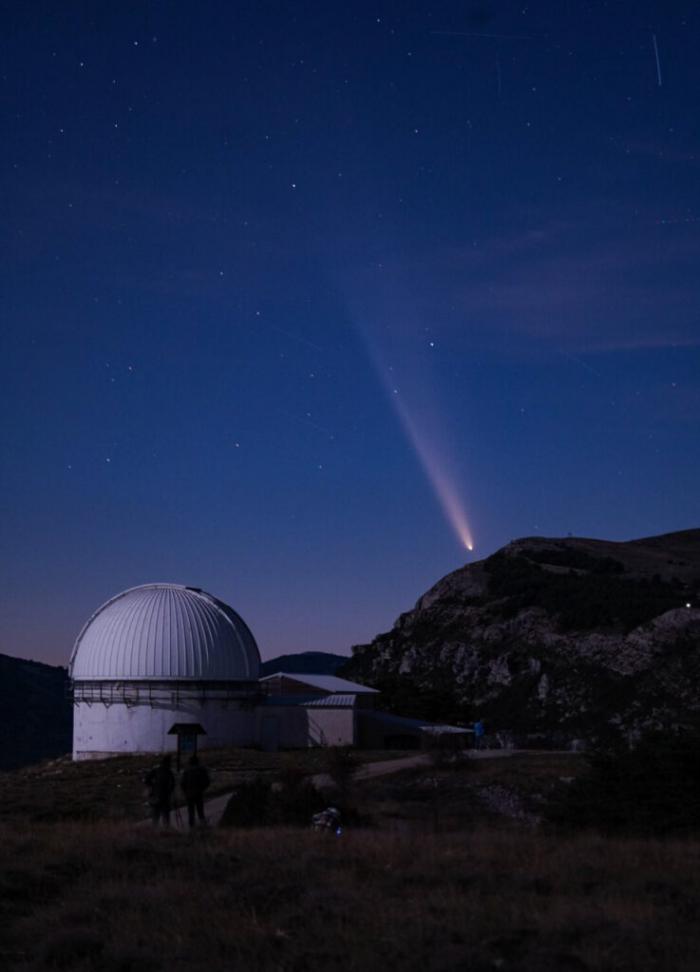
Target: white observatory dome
<point x="165" y="632"/>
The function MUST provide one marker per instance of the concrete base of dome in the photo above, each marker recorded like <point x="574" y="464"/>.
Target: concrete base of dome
<point x="101" y="730"/>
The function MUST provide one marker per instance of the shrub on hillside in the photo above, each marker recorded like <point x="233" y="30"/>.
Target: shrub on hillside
<point x="653" y="789"/>
<point x="580" y="602"/>
<point x="564" y="556"/>
<point x="292" y="800"/>
<point x="431" y="695"/>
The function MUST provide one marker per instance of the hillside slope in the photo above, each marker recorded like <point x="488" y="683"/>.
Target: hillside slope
<point x="552" y="638"/>
<point x="36" y="716"/>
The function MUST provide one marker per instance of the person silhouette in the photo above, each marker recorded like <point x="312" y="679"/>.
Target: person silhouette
<point x="193" y="783"/>
<point x="161" y="783"/>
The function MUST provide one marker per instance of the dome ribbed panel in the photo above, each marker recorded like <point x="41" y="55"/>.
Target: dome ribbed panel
<point x="187" y="652"/>
<point x="198" y="635"/>
<point x="160" y="660"/>
<point x="131" y="614"/>
<point x="164" y="631"/>
<point x="210" y="619"/>
<point x="244" y="637"/>
<point x="190" y="657"/>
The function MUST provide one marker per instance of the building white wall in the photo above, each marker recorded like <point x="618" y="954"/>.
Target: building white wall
<point x="299" y="726"/>
<point x="104" y="728"/>
<point x="331" y="726"/>
<point x="108" y="730"/>
<point x="282" y="727"/>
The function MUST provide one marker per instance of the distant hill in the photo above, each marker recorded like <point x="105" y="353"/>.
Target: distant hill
<point x="36" y="716"/>
<point x="306" y="663"/>
<point x="551" y="640"/>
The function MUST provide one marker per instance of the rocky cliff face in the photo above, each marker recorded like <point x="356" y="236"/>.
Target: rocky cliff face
<point x="552" y="639"/>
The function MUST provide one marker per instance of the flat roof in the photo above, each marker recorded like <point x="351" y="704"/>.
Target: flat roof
<point x="336" y="700"/>
<point x="328" y="683"/>
<point x="405" y="722"/>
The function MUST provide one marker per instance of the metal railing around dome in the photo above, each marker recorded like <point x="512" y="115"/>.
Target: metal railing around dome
<point x="157" y="694"/>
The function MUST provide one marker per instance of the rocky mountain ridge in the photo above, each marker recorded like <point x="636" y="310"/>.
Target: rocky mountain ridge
<point x="552" y="639"/>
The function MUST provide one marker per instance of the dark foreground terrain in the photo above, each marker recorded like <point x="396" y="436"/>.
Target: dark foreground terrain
<point x="114" y="897"/>
<point x="443" y="867"/>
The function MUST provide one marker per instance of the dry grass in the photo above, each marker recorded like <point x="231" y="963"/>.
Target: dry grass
<point x="95" y="894"/>
<point x="110" y="897"/>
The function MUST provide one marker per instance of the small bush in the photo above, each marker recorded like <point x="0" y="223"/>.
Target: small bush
<point x="292" y="773"/>
<point x="445" y="754"/>
<point x="293" y="800"/>
<point x="295" y="805"/>
<point x="341" y="766"/>
<point x="248" y="805"/>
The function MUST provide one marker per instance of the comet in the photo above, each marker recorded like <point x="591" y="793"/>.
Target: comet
<point x="435" y="466"/>
<point x="432" y="454"/>
<point x="437" y="476"/>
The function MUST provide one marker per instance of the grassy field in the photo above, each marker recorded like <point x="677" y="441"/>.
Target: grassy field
<point x="113" y="788"/>
<point x="111" y="897"/>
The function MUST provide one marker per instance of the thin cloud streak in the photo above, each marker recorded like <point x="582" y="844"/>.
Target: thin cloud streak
<point x="557" y="283"/>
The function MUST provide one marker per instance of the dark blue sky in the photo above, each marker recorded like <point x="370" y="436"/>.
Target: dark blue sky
<point x="265" y="261"/>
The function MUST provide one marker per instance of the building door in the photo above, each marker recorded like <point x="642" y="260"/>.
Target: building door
<point x="270" y="734"/>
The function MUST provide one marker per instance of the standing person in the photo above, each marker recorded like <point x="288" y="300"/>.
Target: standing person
<point x="161" y="783"/>
<point x="478" y="733"/>
<point x="193" y="782"/>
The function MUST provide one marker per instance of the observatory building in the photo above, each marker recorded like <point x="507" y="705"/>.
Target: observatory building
<point x="156" y="658"/>
<point x="164" y="667"/>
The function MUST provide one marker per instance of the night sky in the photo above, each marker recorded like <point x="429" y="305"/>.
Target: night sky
<point x="300" y="298"/>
